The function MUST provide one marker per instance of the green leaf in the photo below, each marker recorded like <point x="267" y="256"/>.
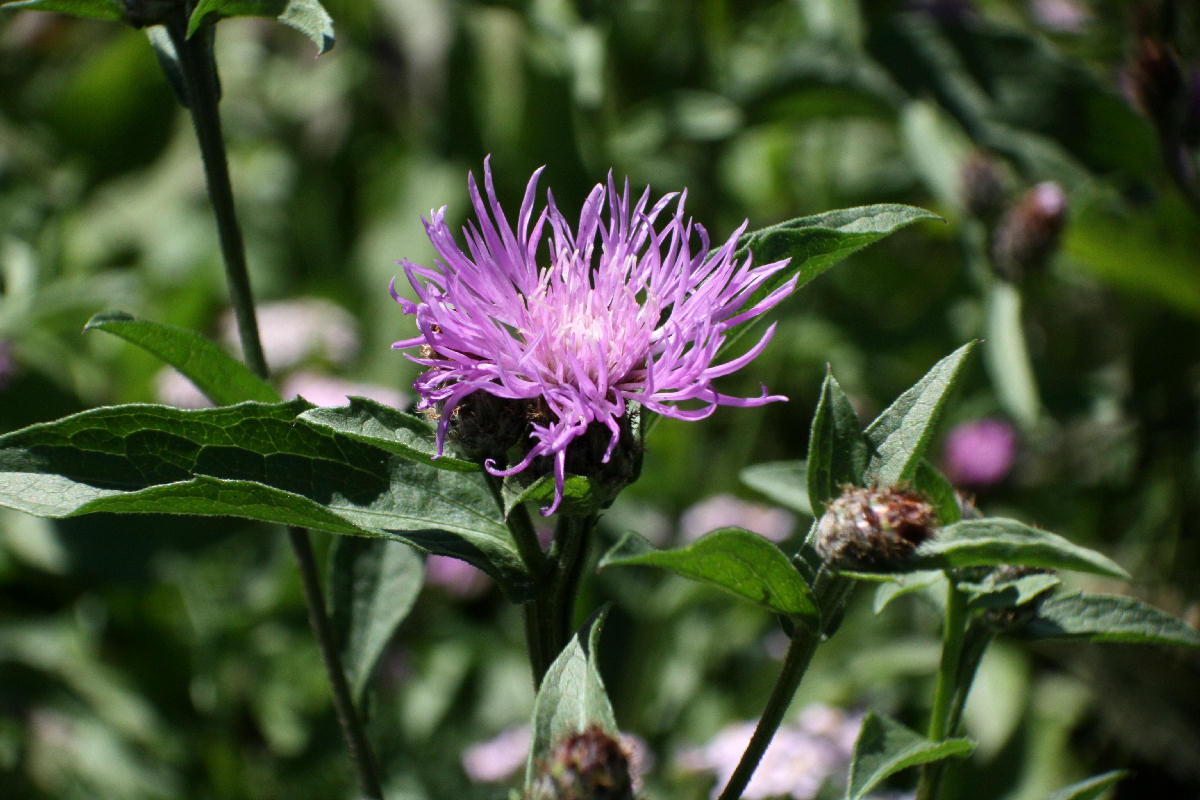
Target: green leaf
<point x="816" y="243"/>
<point x="996" y="591"/>
<point x="739" y="561"/>
<point x="885" y="747"/>
<point x="223" y="379"/>
<point x="580" y="494"/>
<point x="1090" y="788"/>
<point x="1108" y="618"/>
<point x="780" y="482"/>
<point x="373" y="584"/>
<point x="89" y="9"/>
<point x="254" y="461"/>
<point x="999" y="542"/>
<point x="571" y="698"/>
<point x="904" y="583"/>
<point x="837" y="451"/>
<point x="384" y="427"/>
<point x="1006" y="355"/>
<point x="307" y="16"/>
<point x="898" y="437"/>
<point x="936" y="488"/>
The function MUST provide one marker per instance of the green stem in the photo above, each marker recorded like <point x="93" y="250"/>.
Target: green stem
<point x="953" y="636"/>
<point x="799" y="655"/>
<point x="200" y="81"/>
<point x="356" y="737"/>
<point x="199" y="75"/>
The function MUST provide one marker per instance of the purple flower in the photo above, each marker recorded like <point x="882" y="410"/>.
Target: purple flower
<point x="980" y="453"/>
<point x="624" y="308"/>
<point x="726" y="510"/>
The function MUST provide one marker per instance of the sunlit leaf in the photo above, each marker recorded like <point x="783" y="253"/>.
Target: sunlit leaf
<point x="90" y="9"/>
<point x="571" y="698"/>
<point x="307" y="16"/>
<point x="380" y="426"/>
<point x="999" y="542"/>
<point x="885" y="747"/>
<point x="739" y="561"/>
<point x="222" y="378"/>
<point x="1109" y="618"/>
<point x="837" y="451"/>
<point x="898" y="437"/>
<point x="255" y="461"/>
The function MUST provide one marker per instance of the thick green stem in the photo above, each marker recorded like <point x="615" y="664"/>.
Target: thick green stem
<point x="200" y="81"/>
<point x="799" y="655"/>
<point x="199" y="75"/>
<point x="948" y="679"/>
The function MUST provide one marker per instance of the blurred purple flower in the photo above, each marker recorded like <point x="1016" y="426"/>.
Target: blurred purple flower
<point x="499" y="758"/>
<point x="326" y="390"/>
<point x="798" y="762"/>
<point x="580" y="329"/>
<point x="295" y="330"/>
<point x="456" y="577"/>
<point x="980" y="453"/>
<point x="725" y="510"/>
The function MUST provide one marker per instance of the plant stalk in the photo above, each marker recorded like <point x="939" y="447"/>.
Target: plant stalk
<point x="799" y="655"/>
<point x="948" y="678"/>
<point x="200" y="82"/>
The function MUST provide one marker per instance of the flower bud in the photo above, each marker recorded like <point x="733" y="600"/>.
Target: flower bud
<point x="982" y="186"/>
<point x="486" y="426"/>
<point x="1154" y="83"/>
<point x="1028" y="234"/>
<point x="590" y="765"/>
<point x="873" y="528"/>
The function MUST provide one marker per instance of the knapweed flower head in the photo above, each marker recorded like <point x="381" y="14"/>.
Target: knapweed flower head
<point x="579" y="323"/>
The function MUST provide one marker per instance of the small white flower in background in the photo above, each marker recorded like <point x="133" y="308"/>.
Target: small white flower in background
<point x="725" y="510"/>
<point x="293" y="331"/>
<point x="801" y="758"/>
<point x="500" y="758"/>
<point x="326" y="390"/>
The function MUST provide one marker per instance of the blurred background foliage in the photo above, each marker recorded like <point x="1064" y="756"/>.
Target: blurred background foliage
<point x="148" y="658"/>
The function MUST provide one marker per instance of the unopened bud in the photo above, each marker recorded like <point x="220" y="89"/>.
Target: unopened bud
<point x="982" y="186"/>
<point x="873" y="528"/>
<point x="591" y="765"/>
<point x="1154" y="82"/>
<point x="1028" y="235"/>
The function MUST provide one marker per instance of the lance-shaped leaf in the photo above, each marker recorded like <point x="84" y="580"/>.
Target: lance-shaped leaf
<point x="816" y="243"/>
<point x="254" y="461"/>
<point x="998" y="542"/>
<point x="898" y="437"/>
<point x="222" y="378"/>
<point x="1108" y="618"/>
<point x="571" y="698"/>
<point x="307" y="16"/>
<point x="837" y="451"/>
<point x="885" y="747"/>
<point x="380" y="426"/>
<point x="373" y="584"/>
<point x="1090" y="788"/>
<point x="781" y="482"/>
<point x="936" y="488"/>
<point x="739" y="561"/>
<point x="90" y="9"/>
<point x="580" y="494"/>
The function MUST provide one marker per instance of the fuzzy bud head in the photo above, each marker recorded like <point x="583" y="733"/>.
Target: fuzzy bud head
<point x="871" y="528"/>
<point x="590" y="765"/>
<point x="982" y="186"/>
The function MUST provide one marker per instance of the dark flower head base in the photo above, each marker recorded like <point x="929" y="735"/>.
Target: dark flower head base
<point x="622" y="308"/>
